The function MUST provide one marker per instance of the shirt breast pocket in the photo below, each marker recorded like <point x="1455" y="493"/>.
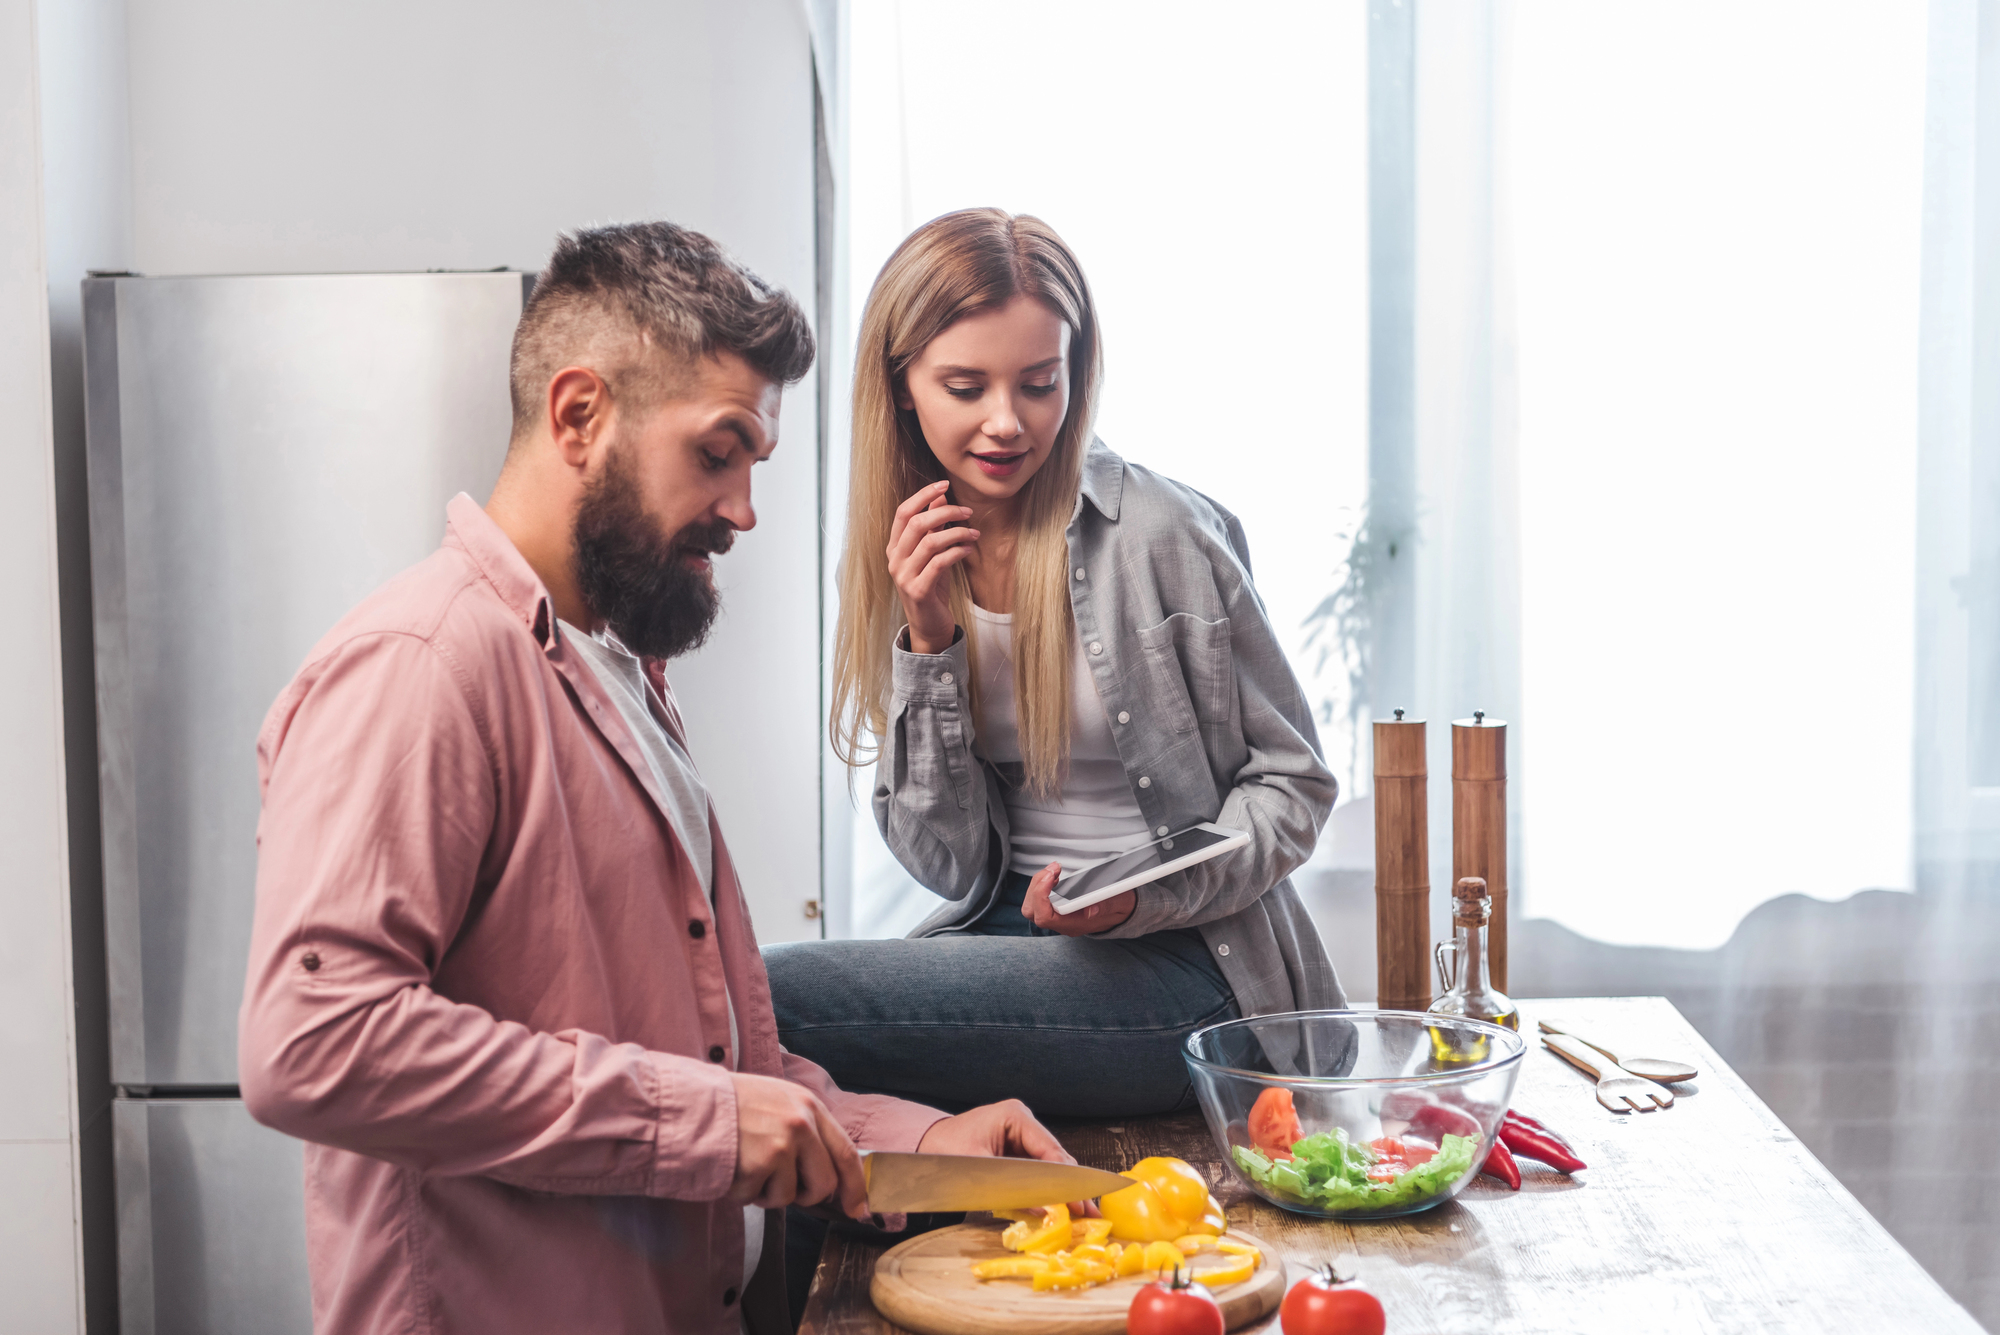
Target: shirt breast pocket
<point x="1190" y="670"/>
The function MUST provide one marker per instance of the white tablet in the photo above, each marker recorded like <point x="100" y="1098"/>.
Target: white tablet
<point x="1148" y="862"/>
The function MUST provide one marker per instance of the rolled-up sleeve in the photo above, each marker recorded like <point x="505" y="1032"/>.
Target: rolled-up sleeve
<point x="931" y="798"/>
<point x="380" y="790"/>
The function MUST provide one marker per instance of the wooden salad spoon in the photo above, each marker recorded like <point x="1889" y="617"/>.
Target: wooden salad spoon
<point x="1651" y="1068"/>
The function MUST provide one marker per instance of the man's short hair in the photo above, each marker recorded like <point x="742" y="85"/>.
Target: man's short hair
<point x="615" y="298"/>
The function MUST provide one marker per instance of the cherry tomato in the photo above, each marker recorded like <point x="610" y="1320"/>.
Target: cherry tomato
<point x="1274" y="1124"/>
<point x="1324" y="1304"/>
<point x="1179" y="1307"/>
<point x="1404" y="1153"/>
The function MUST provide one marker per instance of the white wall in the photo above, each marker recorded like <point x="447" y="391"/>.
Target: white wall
<point x="40" y="1261"/>
<point x="421" y="134"/>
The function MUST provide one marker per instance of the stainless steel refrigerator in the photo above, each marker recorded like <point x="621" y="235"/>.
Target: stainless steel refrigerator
<point x="263" y="452"/>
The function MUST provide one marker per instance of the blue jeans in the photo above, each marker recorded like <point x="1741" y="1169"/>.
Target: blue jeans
<point x="1072" y="1026"/>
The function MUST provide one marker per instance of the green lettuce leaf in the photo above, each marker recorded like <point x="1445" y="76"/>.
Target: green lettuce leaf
<point x="1330" y="1172"/>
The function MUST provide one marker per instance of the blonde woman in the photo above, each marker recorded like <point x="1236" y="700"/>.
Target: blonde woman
<point x="1056" y="655"/>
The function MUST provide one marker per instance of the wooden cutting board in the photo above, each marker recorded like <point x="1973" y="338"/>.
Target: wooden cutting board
<point x="926" y="1285"/>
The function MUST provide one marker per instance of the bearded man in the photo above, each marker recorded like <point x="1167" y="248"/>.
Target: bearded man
<point x="502" y="978"/>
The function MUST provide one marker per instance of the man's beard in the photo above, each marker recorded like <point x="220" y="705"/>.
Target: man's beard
<point x="638" y="579"/>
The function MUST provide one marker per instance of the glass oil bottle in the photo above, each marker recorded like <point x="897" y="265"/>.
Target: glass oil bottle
<point x="1466" y="979"/>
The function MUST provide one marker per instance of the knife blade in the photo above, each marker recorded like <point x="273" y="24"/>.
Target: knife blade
<point x="924" y="1183"/>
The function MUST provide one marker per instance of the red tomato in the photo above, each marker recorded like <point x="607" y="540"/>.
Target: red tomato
<point x="1178" y="1308"/>
<point x="1324" y="1304"/>
<point x="1274" y="1124"/>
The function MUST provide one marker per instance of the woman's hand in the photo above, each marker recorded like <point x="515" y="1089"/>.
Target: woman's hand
<point x="922" y="552"/>
<point x="1102" y="916"/>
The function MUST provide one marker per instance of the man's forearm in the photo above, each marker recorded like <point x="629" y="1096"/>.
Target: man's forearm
<point x="447" y="1089"/>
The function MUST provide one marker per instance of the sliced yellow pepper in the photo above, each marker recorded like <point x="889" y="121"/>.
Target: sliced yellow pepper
<point x="1164" y="1256"/>
<point x="1060" y="1279"/>
<point x="1047" y="1234"/>
<point x="1238" y="1249"/>
<point x="1131" y="1261"/>
<point x="1010" y="1267"/>
<point x="1234" y="1273"/>
<point x="1089" y="1230"/>
<point x="1194" y="1242"/>
<point x="1089" y="1251"/>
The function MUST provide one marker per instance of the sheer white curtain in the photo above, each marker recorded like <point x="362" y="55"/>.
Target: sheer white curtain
<point x="1207" y="164"/>
<point x="1717" y="212"/>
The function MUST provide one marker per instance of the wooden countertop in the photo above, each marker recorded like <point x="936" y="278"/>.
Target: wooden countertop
<point x="1709" y="1216"/>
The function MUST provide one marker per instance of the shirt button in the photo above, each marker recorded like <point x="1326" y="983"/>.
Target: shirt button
<point x="1096" y="648"/>
<point x="945" y="677"/>
<point x="1079" y="572"/>
<point x="1124" y="717"/>
<point x="1222" y="950"/>
<point x="311" y="961"/>
<point x="1145" y="782"/>
<point x="729" y="1297"/>
<point x="697" y="929"/>
<point x="716" y="1054"/>
<point x="1163" y="830"/>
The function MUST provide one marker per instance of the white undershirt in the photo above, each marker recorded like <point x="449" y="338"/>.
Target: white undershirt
<point x="1095" y="816"/>
<point x="623" y="678"/>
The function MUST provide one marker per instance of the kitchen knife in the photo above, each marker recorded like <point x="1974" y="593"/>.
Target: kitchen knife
<point x="924" y="1183"/>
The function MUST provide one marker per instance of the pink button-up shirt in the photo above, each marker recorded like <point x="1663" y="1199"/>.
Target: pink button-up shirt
<point x="486" y="986"/>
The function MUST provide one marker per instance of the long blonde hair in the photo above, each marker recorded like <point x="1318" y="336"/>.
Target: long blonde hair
<point x="973" y="260"/>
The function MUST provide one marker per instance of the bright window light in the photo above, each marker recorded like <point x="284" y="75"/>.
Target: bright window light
<point x="1208" y="165"/>
<point x="1716" y="212"/>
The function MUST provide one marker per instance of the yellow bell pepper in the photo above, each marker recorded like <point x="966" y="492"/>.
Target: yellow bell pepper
<point x="1132" y="1260"/>
<point x="1048" y="1233"/>
<point x="1194" y="1242"/>
<point x="1238" y="1249"/>
<point x="1164" y="1256"/>
<point x="1060" y="1279"/>
<point x="1168" y="1200"/>
<point x="1010" y="1267"/>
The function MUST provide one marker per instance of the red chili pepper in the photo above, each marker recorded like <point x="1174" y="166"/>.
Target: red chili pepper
<point x="1540" y="1126"/>
<point x="1531" y="1140"/>
<point x="1499" y="1163"/>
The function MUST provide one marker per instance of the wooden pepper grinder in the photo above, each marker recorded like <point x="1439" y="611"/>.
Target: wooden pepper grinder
<point x="1479" y="822"/>
<point x="1402" y="866"/>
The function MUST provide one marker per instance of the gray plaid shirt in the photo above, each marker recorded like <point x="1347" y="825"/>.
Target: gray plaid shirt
<point x="1210" y="723"/>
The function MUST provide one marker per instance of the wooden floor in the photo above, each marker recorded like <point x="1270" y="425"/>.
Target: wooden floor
<point x="1708" y="1217"/>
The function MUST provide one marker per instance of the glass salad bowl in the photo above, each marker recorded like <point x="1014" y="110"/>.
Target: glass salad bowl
<point x="1354" y="1114"/>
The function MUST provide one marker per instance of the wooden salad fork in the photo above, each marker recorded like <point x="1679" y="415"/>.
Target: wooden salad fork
<point x="1649" y="1068"/>
<point x="1617" y="1088"/>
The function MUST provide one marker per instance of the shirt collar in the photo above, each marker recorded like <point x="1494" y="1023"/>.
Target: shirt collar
<point x="473" y="531"/>
<point x="1103" y="478"/>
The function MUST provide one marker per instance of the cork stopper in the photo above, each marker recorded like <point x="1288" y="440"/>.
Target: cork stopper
<point x="1470" y="906"/>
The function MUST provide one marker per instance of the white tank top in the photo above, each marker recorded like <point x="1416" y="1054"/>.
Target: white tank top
<point x="1095" y="815"/>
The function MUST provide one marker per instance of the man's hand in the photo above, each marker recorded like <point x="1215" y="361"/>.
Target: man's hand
<point x="1001" y="1129"/>
<point x="790" y="1151"/>
<point x="1102" y="916"/>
